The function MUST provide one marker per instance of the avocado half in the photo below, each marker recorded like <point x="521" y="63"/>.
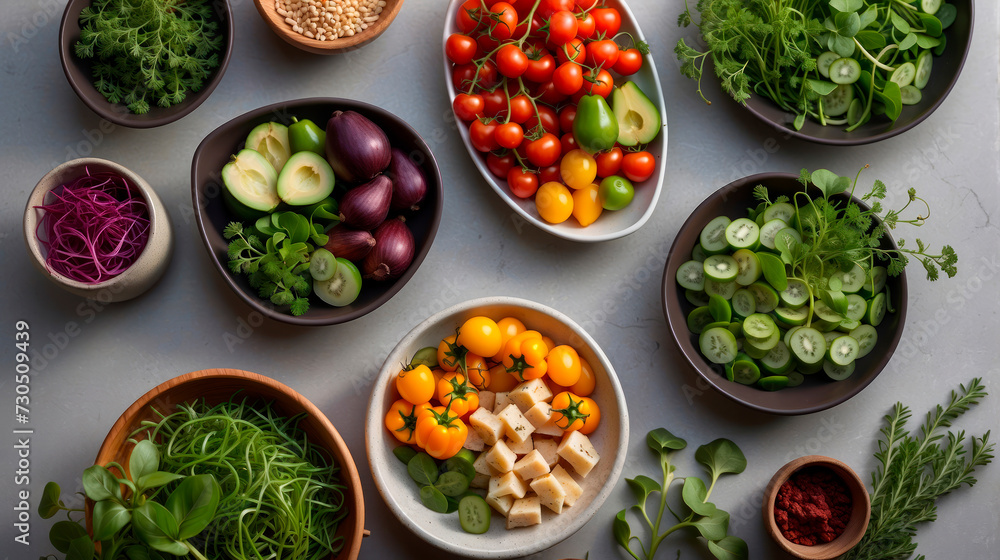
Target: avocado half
<point x="251" y="185"/>
<point x="638" y="118"/>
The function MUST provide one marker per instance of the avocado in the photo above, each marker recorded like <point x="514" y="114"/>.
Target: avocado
<point x="306" y="179"/>
<point x="638" y="118"/>
<point x="271" y="141"/>
<point x="251" y="185"/>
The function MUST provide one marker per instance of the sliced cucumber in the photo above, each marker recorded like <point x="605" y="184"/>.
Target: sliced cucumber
<point x="778" y="360"/>
<point x="306" y="179"/>
<point x="713" y="236"/>
<point x="765" y="344"/>
<point x="270" y="140"/>
<point x="698" y="253"/>
<point x="836" y="372"/>
<point x="743" y="233"/>
<point x="718" y="345"/>
<point x="795" y="294"/>
<point x="903" y="74"/>
<point x="843" y="350"/>
<point x="874" y="281"/>
<point x="838" y="101"/>
<point x="794" y="378"/>
<point x="831" y="336"/>
<point x="322" y="264"/>
<point x="867" y="336"/>
<point x="753" y="351"/>
<point x="852" y="280"/>
<point x="781" y="211"/>
<point x="699" y="318"/>
<point x="474" y="514"/>
<point x="343" y="288"/>
<point x="809" y="369"/>
<point x="855" y="112"/>
<point x="724" y="289"/>
<point x="765" y="296"/>
<point x="720" y="268"/>
<point x="807" y="345"/>
<point x="930" y="6"/>
<point x="749" y="267"/>
<point x="824" y="61"/>
<point x="785" y="239"/>
<point x="745" y="372"/>
<point x="924" y="64"/>
<point x="770" y="230"/>
<point x="743" y="302"/>
<point x="876" y="310"/>
<point x="251" y="185"/>
<point x="773" y="382"/>
<point x="845" y="71"/>
<point x="788" y="335"/>
<point x="758" y="327"/>
<point x="691" y="276"/>
<point x="696" y="298"/>
<point x="910" y="95"/>
<point x="793" y="316"/>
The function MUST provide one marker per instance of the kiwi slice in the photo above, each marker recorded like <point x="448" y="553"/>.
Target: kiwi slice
<point x="867" y="336"/>
<point x="843" y="350"/>
<point x="322" y="264"/>
<point x="343" y="287"/>
<point x="837" y="373"/>
<point x="718" y="344"/>
<point x="807" y="345"/>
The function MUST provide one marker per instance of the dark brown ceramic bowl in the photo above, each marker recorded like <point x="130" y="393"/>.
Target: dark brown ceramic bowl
<point x="212" y="216"/>
<point x="78" y="72"/>
<point x="816" y="392"/>
<point x="944" y="74"/>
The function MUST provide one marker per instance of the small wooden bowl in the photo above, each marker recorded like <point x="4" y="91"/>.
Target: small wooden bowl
<point x="280" y="27"/>
<point x="218" y="385"/>
<point x="861" y="509"/>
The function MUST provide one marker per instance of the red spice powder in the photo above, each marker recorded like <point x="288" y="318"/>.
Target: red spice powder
<point x="813" y="506"/>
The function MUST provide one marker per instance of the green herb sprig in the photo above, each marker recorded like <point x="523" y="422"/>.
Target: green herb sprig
<point x="719" y="457"/>
<point x="916" y="469"/>
<point x="276" y="268"/>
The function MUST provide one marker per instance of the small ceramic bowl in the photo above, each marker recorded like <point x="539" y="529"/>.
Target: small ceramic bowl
<point x="136" y="279"/>
<point x="269" y="11"/>
<point x="78" y="72"/>
<point x="816" y="392"/>
<point x="860" y="509"/>
<point x="401" y="494"/>
<point x="220" y="385"/>
<point x="212" y="216"/>
<point x="944" y="75"/>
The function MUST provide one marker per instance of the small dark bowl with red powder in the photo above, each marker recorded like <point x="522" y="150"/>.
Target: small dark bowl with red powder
<point x="816" y="508"/>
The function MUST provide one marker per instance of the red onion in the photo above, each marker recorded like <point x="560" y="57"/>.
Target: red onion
<point x="393" y="252"/>
<point x="351" y="244"/>
<point x="366" y="206"/>
<point x="356" y="148"/>
<point x="409" y="185"/>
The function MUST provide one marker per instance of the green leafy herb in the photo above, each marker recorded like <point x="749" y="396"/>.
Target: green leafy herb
<point x="914" y="470"/>
<point x="719" y="457"/>
<point x="277" y="268"/>
<point x="149" y="52"/>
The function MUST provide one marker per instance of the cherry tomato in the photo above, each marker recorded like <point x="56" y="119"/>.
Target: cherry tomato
<point x="573" y="50"/>
<point x="468" y="15"/>
<point x="610" y="162"/>
<point x="629" y="62"/>
<point x="638" y="166"/>
<point x="541" y="65"/>
<point x="459" y="396"/>
<point x="588" y="381"/>
<point x="501" y="380"/>
<point x="462" y="76"/>
<point x="563" y="365"/>
<point x="547" y="117"/>
<point x="601" y="84"/>
<point x="544" y="151"/>
<point x="549" y="174"/>
<point x="602" y="53"/>
<point x="607" y="21"/>
<point x="460" y="49"/>
<point x="500" y="165"/>
<point x="509" y="328"/>
<point x="483" y="135"/>
<point x="440" y="432"/>
<point x="415" y="385"/>
<point x="401" y="419"/>
<point x="495" y="102"/>
<point x="503" y="21"/>
<point x="511" y="61"/>
<point x="577" y="169"/>
<point x="593" y="418"/>
<point x="548" y="7"/>
<point x="554" y="202"/>
<point x="547" y="93"/>
<point x="520" y="109"/>
<point x="568" y="142"/>
<point x="562" y="27"/>
<point x="569" y="411"/>
<point x="487" y="43"/>
<point x="587" y="207"/>
<point x="450" y="354"/>
<point x="568" y="78"/>
<point x="586" y="4"/>
<point x="566" y="117"/>
<point x="522" y="183"/>
<point x="585" y="26"/>
<point x="480" y="335"/>
<point x="478" y="371"/>
<point x="487" y="75"/>
<point x="468" y="107"/>
<point x="616" y="192"/>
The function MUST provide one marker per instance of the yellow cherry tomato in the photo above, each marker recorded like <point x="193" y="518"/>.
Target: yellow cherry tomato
<point x="501" y="380"/>
<point x="548" y="342"/>
<point x="509" y="328"/>
<point x="587" y="205"/>
<point x="563" y="365"/>
<point x="554" y="202"/>
<point x="450" y="354"/>
<point x="578" y="169"/>
<point x="481" y="335"/>
<point x="525" y="356"/>
<point x="593" y="418"/>
<point x="460" y="397"/>
<point x="569" y="411"/>
<point x="440" y="432"/>
<point x="585" y="385"/>
<point x="478" y="371"/>
<point x="401" y="419"/>
<point x="416" y="385"/>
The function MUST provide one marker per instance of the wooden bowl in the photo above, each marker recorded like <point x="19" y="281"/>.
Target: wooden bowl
<point x="861" y="509"/>
<point x="217" y="385"/>
<point x="282" y="29"/>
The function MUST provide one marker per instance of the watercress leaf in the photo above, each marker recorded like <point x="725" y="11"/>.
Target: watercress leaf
<point x="461" y="466"/>
<point x="99" y="484"/>
<point x="660" y="440"/>
<point x="422" y="469"/>
<point x="925" y="41"/>
<point x="713" y="527"/>
<point x="80" y="548"/>
<point x="63" y="533"/>
<point x="821" y="87"/>
<point x="932" y="25"/>
<point x="774" y="270"/>
<point x="50" y="504"/>
<point x="452" y="483"/>
<point x="908" y="41"/>
<point x="154" y="525"/>
<point x="642" y="486"/>
<point x="695" y="494"/>
<point x="898" y="22"/>
<point x="844" y="46"/>
<point x="800" y="120"/>
<point x="946" y="14"/>
<point x="848" y="25"/>
<point x="871" y="40"/>
<point x="869" y="16"/>
<point x="720" y="457"/>
<point x="193" y="504"/>
<point x="157" y="479"/>
<point x="823" y="177"/>
<point x="404" y="453"/>
<point x="835" y="300"/>
<point x="433" y="499"/>
<point x="729" y="548"/>
<point x="109" y="517"/>
<point x="846" y="5"/>
<point x="143" y="460"/>
<point x="835" y="283"/>
<point x="891" y="99"/>
<point x="621" y="529"/>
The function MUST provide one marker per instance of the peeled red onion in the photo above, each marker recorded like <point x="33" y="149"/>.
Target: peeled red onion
<point x="356" y="148"/>
<point x="393" y="252"/>
<point x="351" y="244"/>
<point x="366" y="206"/>
<point x="409" y="184"/>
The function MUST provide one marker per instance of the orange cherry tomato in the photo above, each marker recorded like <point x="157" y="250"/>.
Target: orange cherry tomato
<point x="450" y="354"/>
<point x="509" y="328"/>
<point x="457" y="395"/>
<point x="585" y="385"/>
<point x="501" y="380"/>
<point x="563" y="365"/>
<point x="440" y="432"/>
<point x="593" y="418"/>
<point x="415" y="385"/>
<point x="478" y="371"/>
<point x="569" y="411"/>
<point x="525" y="356"/>
<point x="401" y="419"/>
<point x="481" y="336"/>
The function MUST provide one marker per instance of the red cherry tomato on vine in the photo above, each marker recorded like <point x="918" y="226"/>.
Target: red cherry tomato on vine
<point x="638" y="166"/>
<point x="586" y="4"/>
<point x="568" y="78"/>
<point x="521" y="109"/>
<point x="568" y="143"/>
<point x="566" y="117"/>
<point x="562" y="27"/>
<point x="629" y="62"/>
<point x="487" y="43"/>
<point x="522" y="183"/>
<point x="511" y="61"/>
<point x="601" y="84"/>
<point x="482" y="135"/>
<point x="547" y="117"/>
<point x="610" y="162"/>
<point x="503" y="21"/>
<point x="573" y="50"/>
<point x="468" y="107"/>
<point x="607" y="21"/>
<point x="548" y="7"/>
<point x="544" y="151"/>
<point x="585" y="26"/>
<point x="509" y="135"/>
<point x="541" y="65"/>
<point x="500" y="165"/>
<point x="549" y="174"/>
<point x="602" y="53"/>
<point x="547" y="93"/>
<point x="494" y="102"/>
<point x="462" y="75"/>
<point x="468" y="15"/>
<point x="460" y="49"/>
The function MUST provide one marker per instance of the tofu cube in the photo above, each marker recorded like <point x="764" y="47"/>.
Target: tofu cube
<point x="524" y="512"/>
<point x="550" y="492"/>
<point x="508" y="484"/>
<point x="474" y="441"/>
<point x="522" y="448"/>
<point x="500" y="401"/>
<point x="569" y="485"/>
<point x="550" y="428"/>
<point x="482" y="466"/>
<point x="500" y="503"/>
<point x="480" y="481"/>
<point x="487" y="399"/>
<point x="530" y="393"/>
<point x="539" y="415"/>
<point x="531" y="465"/>
<point x="501" y="458"/>
<point x="516" y="426"/>
<point x="579" y="452"/>
<point x="547" y="447"/>
<point x="489" y="427"/>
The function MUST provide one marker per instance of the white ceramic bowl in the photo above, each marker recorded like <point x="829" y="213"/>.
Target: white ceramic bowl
<point x="611" y="225"/>
<point x="401" y="494"/>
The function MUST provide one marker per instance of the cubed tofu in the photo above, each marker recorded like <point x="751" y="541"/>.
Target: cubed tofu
<point x="524" y="512"/>
<point x="579" y="452"/>
<point x="501" y="458"/>
<point x="550" y="428"/>
<point x="480" y="481"/>
<point x="487" y="399"/>
<point x="500" y="503"/>
<point x="550" y="492"/>
<point x="508" y="484"/>
<point x="569" y="485"/>
<point x="482" y="466"/>
<point x="490" y="427"/>
<point x="547" y="447"/>
<point x="520" y="449"/>
<point x="515" y="425"/>
<point x="539" y="414"/>
<point x="530" y="393"/>
<point x="500" y="401"/>
<point x="531" y="465"/>
<point x="474" y="441"/>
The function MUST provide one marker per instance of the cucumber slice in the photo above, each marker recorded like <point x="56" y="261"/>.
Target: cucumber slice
<point x="848" y="325"/>
<point x="251" y="185"/>
<point x="758" y="327"/>
<point x="924" y="64"/>
<point x="724" y="289"/>
<point x="745" y="372"/>
<point x="426" y="356"/>
<point x="852" y="280"/>
<point x="696" y="298"/>
<point x="736" y="327"/>
<point x="699" y="318"/>
<point x="824" y="61"/>
<point x="795" y="294"/>
<point x="270" y="140"/>
<point x="718" y="345"/>
<point x="809" y="369"/>
<point x="824" y="312"/>
<point x="867" y="336"/>
<point x="904" y="74"/>
<point x="306" y="179"/>
<point x="721" y="268"/>
<point x="831" y="336"/>
<point x="743" y="302"/>
<point x="743" y="233"/>
<point x="845" y="71"/>
<point x="930" y="6"/>
<point x="343" y="288"/>
<point x="855" y="112"/>
<point x="765" y="296"/>
<point x="749" y="267"/>
<point x="807" y="345"/>
<point x="770" y="230"/>
<point x="474" y="514"/>
<point x="713" y="236"/>
<point x="910" y="95"/>
<point x="793" y="316"/>
<point x="753" y="351"/>
<point x="781" y="211"/>
<point x="794" y="378"/>
<point x="874" y="282"/>
<point x="719" y="308"/>
<point x="322" y="264"/>
<point x="691" y="276"/>
<point x="838" y="101"/>
<point x="876" y="310"/>
<point x="843" y="350"/>
<point x="778" y="360"/>
<point x="698" y="253"/>
<point x="773" y="382"/>
<point x="785" y="239"/>
<point x="837" y="373"/>
<point x="764" y="344"/>
<point x="788" y="335"/>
